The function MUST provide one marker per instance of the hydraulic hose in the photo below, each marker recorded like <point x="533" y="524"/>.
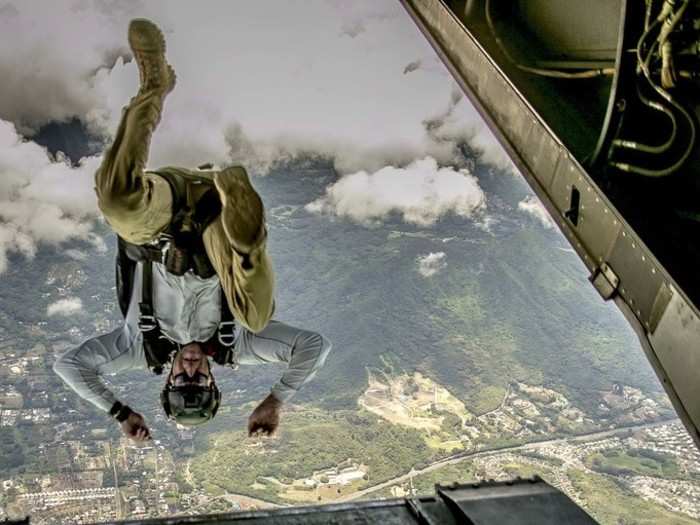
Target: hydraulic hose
<point x="646" y="148"/>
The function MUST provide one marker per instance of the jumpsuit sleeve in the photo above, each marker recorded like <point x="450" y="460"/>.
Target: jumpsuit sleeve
<point x="82" y="368"/>
<point x="304" y="351"/>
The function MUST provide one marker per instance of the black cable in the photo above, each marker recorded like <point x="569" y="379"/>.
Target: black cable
<point x="644" y="63"/>
<point x="646" y="148"/>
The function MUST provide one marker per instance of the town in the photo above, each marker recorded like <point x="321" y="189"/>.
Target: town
<point x="72" y="468"/>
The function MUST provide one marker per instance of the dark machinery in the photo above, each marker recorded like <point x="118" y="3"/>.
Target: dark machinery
<point x="596" y="103"/>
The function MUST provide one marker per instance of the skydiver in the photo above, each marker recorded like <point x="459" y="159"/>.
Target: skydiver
<point x="193" y="276"/>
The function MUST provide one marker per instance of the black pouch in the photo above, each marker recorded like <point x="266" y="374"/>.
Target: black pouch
<point x="177" y="259"/>
<point x="202" y="266"/>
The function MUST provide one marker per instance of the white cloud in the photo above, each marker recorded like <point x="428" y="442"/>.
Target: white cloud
<point x="421" y="192"/>
<point x="255" y="86"/>
<point x="78" y="255"/>
<point x="486" y="223"/>
<point x="534" y="207"/>
<point x="41" y="200"/>
<point x="65" y="307"/>
<point x="49" y="54"/>
<point x="289" y="78"/>
<point x="429" y="265"/>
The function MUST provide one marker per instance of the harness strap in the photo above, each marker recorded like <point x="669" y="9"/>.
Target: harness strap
<point x="156" y="347"/>
<point x="148" y="324"/>
<point x="208" y="208"/>
<point x="226" y="332"/>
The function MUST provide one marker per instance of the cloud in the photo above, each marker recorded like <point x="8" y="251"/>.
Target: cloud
<point x="421" y="193"/>
<point x="42" y="199"/>
<point x="459" y="123"/>
<point x="307" y="98"/>
<point x="359" y="15"/>
<point x="49" y="55"/>
<point x="78" y="255"/>
<point x="65" y="307"/>
<point x="534" y="207"/>
<point x="255" y="87"/>
<point x="429" y="265"/>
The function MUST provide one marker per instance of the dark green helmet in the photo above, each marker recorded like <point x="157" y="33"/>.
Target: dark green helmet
<point x="191" y="404"/>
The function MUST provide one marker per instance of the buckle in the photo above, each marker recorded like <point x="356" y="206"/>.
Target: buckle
<point x="227" y="339"/>
<point x="147" y="323"/>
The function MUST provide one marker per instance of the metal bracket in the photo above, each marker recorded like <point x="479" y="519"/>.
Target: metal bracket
<point x="606" y="281"/>
<point x="227" y="339"/>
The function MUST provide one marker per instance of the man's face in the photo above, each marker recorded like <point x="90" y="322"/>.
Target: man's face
<point x="192" y="362"/>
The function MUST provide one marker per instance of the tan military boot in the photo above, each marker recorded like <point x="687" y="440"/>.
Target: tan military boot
<point x="148" y="45"/>
<point x="242" y="213"/>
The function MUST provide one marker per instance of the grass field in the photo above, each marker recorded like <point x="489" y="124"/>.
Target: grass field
<point x="618" y="462"/>
<point x="309" y="441"/>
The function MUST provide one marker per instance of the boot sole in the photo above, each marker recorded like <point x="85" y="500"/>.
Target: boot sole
<point x="139" y="27"/>
<point x="142" y="26"/>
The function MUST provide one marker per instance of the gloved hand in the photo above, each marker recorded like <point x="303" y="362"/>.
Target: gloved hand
<point x="265" y="418"/>
<point x="135" y="427"/>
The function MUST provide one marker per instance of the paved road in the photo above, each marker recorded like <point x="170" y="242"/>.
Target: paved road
<point x="246" y="502"/>
<point x="462" y="456"/>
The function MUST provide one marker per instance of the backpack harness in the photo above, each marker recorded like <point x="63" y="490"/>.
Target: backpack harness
<point x="180" y="248"/>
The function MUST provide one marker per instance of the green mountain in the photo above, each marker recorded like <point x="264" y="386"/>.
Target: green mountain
<point x="512" y="303"/>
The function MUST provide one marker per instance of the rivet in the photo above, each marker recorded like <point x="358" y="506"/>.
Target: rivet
<point x="597" y="199"/>
<point x="653" y="270"/>
<point x="634" y="245"/>
<point x="639" y="313"/>
<point x="644" y="258"/>
<point x="624" y="234"/>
